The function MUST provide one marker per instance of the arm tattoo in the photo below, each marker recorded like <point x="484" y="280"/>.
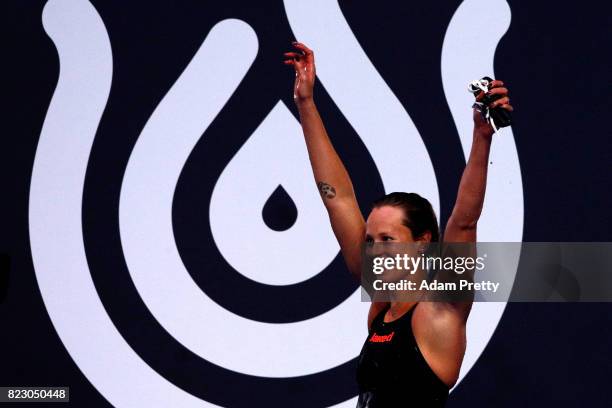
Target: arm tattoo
<point x="326" y="190"/>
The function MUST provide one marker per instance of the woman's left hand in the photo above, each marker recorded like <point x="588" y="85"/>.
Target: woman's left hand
<point x="497" y="88"/>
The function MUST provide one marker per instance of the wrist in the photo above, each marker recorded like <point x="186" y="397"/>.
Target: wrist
<point x="483" y="133"/>
<point x="304" y="102"/>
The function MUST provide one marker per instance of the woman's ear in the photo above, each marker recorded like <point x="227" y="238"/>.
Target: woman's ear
<point x="423" y="242"/>
<point x="424" y="238"/>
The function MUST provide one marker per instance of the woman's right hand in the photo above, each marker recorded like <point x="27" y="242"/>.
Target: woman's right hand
<point x="303" y="62"/>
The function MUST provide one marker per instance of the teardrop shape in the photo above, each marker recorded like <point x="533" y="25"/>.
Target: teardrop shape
<point x="279" y="212"/>
<point x="273" y="155"/>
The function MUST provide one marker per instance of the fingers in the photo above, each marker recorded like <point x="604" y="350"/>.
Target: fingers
<point x="493" y="91"/>
<point x="501" y="91"/>
<point x="499" y="102"/>
<point x="498" y="91"/>
<point x="307" y="51"/>
<point x="498" y="88"/>
<point x="294" y="59"/>
<point x="303" y="60"/>
<point x="308" y="54"/>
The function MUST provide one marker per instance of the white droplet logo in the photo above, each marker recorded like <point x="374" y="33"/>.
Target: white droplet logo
<point x="157" y="160"/>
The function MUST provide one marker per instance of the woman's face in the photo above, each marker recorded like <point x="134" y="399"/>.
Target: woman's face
<point x="385" y="224"/>
<point x="384" y="231"/>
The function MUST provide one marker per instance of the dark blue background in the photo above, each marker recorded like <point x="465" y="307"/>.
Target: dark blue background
<point x="555" y="58"/>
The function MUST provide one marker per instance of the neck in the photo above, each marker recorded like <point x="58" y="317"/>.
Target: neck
<point x="396" y="308"/>
<point x="400" y="300"/>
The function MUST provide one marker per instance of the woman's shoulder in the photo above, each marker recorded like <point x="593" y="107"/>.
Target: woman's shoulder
<point x="457" y="311"/>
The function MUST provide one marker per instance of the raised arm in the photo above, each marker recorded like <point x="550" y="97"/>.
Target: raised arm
<point x="461" y="226"/>
<point x="330" y="175"/>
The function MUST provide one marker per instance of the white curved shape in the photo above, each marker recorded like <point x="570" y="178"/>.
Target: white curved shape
<point x="55" y="203"/>
<point x="145" y="215"/>
<point x="350" y="403"/>
<point x="468" y="53"/>
<point x="274" y="154"/>
<point x="364" y="98"/>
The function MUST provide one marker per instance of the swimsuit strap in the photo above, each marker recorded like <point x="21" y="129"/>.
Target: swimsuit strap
<point x="381" y="317"/>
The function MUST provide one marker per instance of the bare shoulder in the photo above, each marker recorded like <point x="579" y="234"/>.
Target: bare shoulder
<point x="442" y="313"/>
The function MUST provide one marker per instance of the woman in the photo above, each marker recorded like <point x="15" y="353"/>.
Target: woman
<point x="414" y="350"/>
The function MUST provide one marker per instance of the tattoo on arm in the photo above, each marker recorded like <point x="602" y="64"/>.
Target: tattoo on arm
<point x="326" y="190"/>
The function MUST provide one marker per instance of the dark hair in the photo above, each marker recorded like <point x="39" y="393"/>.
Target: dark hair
<point x="419" y="215"/>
